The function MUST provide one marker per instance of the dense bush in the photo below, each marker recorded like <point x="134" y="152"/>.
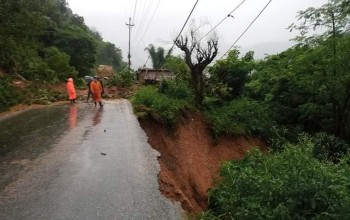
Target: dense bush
<point x="9" y="96"/>
<point x="35" y="94"/>
<point x="122" y="79"/>
<point x="161" y="107"/>
<point x="175" y="89"/>
<point x="239" y="116"/>
<point x="291" y="184"/>
<point x="59" y="63"/>
<point x="329" y="147"/>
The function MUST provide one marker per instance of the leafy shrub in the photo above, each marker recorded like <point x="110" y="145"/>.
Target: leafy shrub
<point x="239" y="116"/>
<point x="122" y="79"/>
<point x="291" y="184"/>
<point x="161" y="107"/>
<point x="38" y="95"/>
<point x="279" y="135"/>
<point x="329" y="147"/>
<point x="175" y="89"/>
<point x="36" y="69"/>
<point x="52" y="67"/>
<point x="179" y="68"/>
<point x="9" y="96"/>
<point x="59" y="63"/>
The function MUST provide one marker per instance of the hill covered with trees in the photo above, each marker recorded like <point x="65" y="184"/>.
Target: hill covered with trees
<point x="43" y="40"/>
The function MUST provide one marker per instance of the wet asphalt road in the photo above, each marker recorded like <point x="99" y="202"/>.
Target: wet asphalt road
<point x="79" y="162"/>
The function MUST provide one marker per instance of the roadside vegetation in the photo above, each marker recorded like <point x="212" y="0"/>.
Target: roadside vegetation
<point x="165" y="103"/>
<point x="42" y="43"/>
<point x="291" y="184"/>
<point x="297" y="101"/>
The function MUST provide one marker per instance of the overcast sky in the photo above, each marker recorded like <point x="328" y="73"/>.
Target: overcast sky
<point x="158" y="22"/>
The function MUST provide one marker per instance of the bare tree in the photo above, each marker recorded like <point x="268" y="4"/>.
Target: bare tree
<point x="203" y="57"/>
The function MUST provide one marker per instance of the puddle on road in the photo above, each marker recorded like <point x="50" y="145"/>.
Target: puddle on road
<point x="25" y="136"/>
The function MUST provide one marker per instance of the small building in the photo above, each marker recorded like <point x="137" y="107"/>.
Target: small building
<point x="147" y="75"/>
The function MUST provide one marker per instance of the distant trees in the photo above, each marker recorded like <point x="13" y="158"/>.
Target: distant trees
<point x="30" y="31"/>
<point x="157" y="55"/>
<point x="109" y="54"/>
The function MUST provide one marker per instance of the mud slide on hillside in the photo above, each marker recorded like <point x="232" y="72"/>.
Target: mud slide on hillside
<point x="190" y="159"/>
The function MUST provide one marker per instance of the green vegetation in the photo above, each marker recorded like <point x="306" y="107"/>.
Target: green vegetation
<point x="45" y="42"/>
<point x="297" y="101"/>
<point x="157" y="56"/>
<point x="122" y="79"/>
<point x="165" y="104"/>
<point x="179" y="68"/>
<point x="9" y="95"/>
<point x="240" y="117"/>
<point x="291" y="184"/>
<point x="302" y="90"/>
<point x="305" y="89"/>
<point x="38" y="95"/>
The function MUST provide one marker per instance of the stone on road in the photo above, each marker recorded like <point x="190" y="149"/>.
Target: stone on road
<point x="79" y="162"/>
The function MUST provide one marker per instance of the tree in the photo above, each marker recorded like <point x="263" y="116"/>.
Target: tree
<point x="80" y="46"/>
<point x="158" y="56"/>
<point x="334" y="18"/>
<point x="232" y="72"/>
<point x="204" y="56"/>
<point x="179" y="68"/>
<point x="109" y="54"/>
<point x="21" y="22"/>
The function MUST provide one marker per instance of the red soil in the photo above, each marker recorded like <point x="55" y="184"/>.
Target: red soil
<point x="190" y="159"/>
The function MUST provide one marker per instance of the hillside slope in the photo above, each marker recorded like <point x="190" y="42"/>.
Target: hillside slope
<point x="190" y="159"/>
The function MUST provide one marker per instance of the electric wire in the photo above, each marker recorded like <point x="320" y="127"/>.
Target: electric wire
<point x="246" y="29"/>
<point x="228" y="15"/>
<point x="144" y="18"/>
<point x="147" y="27"/>
<point x="146" y="61"/>
<point x="184" y="25"/>
<point x="133" y="17"/>
<point x="140" y="15"/>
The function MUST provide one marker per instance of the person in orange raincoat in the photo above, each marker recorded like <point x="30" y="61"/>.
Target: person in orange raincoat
<point x="71" y="90"/>
<point x="96" y="90"/>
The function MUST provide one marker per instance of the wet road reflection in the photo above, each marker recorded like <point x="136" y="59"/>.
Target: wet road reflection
<point x="79" y="162"/>
<point x="33" y="130"/>
<point x="97" y="116"/>
<point x="73" y="113"/>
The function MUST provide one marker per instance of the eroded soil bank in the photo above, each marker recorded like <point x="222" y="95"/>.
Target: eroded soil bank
<point x="190" y="159"/>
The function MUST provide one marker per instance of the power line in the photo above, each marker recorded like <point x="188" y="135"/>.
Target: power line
<point x="146" y="61"/>
<point x="228" y="15"/>
<point x="144" y="17"/>
<point x="247" y="28"/>
<point x="184" y="24"/>
<point x="140" y="15"/>
<point x="133" y="17"/>
<point x="144" y="33"/>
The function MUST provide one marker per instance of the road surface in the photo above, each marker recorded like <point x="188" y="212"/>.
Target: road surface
<point x="79" y="162"/>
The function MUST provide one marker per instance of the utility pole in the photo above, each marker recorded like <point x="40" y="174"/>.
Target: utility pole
<point x="129" y="56"/>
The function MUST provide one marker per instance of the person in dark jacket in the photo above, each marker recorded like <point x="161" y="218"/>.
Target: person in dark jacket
<point x="88" y="80"/>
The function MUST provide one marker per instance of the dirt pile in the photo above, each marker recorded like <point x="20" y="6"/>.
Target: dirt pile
<point x="190" y="159"/>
